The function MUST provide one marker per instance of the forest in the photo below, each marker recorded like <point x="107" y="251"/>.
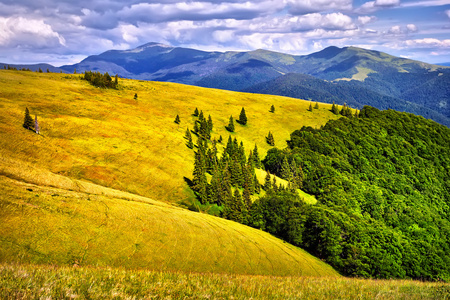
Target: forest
<point x="383" y="185"/>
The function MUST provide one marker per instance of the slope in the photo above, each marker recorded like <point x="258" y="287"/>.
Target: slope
<point x="66" y="192"/>
<point x="108" y="138"/>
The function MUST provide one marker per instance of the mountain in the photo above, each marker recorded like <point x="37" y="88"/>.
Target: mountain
<point x="34" y="67"/>
<point x="363" y="76"/>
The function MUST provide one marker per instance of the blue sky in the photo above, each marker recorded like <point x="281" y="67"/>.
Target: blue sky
<point x="66" y="31"/>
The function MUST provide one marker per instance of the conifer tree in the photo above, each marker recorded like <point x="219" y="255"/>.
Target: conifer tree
<point x="200" y="182"/>
<point x="270" y="140"/>
<point x="116" y="80"/>
<point x="135" y="96"/>
<point x="230" y="126"/>
<point x="274" y="184"/>
<point x="267" y="182"/>
<point x="242" y="117"/>
<point x="188" y="136"/>
<point x="200" y="116"/>
<point x="196" y="129"/>
<point x="37" y="128"/>
<point x="28" y="121"/>
<point x="334" y="109"/>
<point x="196" y="112"/>
<point x="286" y="170"/>
<point x="177" y="119"/>
<point x="316" y="106"/>
<point x="256" y="184"/>
<point x="256" y="158"/>
<point x="210" y="123"/>
<point x="272" y="109"/>
<point x="310" y="107"/>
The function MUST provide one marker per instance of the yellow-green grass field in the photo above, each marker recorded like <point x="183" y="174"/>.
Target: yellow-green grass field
<point x="106" y="137"/>
<point x="50" y="282"/>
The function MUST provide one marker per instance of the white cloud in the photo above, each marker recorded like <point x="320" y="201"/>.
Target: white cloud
<point x="309" y="6"/>
<point x="387" y="2"/>
<point x="28" y="33"/>
<point x="448" y="13"/>
<point x="395" y="30"/>
<point x="363" y="20"/>
<point x="411" y="28"/>
<point x="428" y="43"/>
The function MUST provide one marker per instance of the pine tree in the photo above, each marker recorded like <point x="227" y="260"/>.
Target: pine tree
<point x="270" y="140"/>
<point x="37" y="128"/>
<point x="272" y="109"/>
<point x="334" y="109"/>
<point x="316" y="106"/>
<point x="135" y="96"/>
<point x="196" y="129"/>
<point x="220" y="139"/>
<point x="230" y="126"/>
<point x="267" y="182"/>
<point x="177" y="119"/>
<point x="256" y="158"/>
<point x="200" y="116"/>
<point x="200" y="183"/>
<point x="256" y="184"/>
<point x="274" y="184"/>
<point x="242" y="117"/>
<point x="286" y="170"/>
<point x="210" y="123"/>
<point x="196" y="112"/>
<point x="188" y="136"/>
<point x="116" y="80"/>
<point x="310" y="107"/>
<point x="28" y="121"/>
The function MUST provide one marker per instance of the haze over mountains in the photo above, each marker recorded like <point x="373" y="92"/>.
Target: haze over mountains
<point x="349" y="75"/>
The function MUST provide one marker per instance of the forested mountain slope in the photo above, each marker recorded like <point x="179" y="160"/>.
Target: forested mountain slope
<point x="382" y="182"/>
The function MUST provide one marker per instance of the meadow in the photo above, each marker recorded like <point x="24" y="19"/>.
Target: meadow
<point x="50" y="282"/>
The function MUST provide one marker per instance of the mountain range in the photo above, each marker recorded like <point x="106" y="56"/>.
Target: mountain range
<point x="350" y="75"/>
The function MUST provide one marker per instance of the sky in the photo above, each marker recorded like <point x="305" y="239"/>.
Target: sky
<point x="66" y="31"/>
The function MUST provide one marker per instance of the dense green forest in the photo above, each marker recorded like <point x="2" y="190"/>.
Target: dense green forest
<point x="383" y="185"/>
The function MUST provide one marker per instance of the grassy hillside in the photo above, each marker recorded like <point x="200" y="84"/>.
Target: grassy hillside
<point x="81" y="192"/>
<point x="108" y="138"/>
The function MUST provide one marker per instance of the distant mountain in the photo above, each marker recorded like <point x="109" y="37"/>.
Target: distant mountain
<point x="447" y="64"/>
<point x="352" y="75"/>
<point x="34" y="67"/>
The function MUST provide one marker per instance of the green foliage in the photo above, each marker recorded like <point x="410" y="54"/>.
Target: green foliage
<point x="195" y="114"/>
<point x="310" y="108"/>
<point x="188" y="137"/>
<point x="316" y="106"/>
<point x="272" y="109"/>
<point x="382" y="181"/>
<point x="177" y="119"/>
<point x="270" y="140"/>
<point x="334" y="109"/>
<point x="230" y="126"/>
<point x="101" y="80"/>
<point x="242" y="117"/>
<point x="28" y="121"/>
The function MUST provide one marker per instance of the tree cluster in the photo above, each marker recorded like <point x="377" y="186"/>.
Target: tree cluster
<point x="101" y="80"/>
<point x="382" y="182"/>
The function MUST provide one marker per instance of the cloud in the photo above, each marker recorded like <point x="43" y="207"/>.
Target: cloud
<point x="384" y="3"/>
<point x="366" y="20"/>
<point x="26" y="33"/>
<point x="395" y="30"/>
<point x="300" y="7"/>
<point x="448" y="13"/>
<point x="430" y="43"/>
<point x="411" y="28"/>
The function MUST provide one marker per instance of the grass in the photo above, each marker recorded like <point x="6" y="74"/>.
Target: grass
<point x="49" y="282"/>
<point x="108" y="138"/>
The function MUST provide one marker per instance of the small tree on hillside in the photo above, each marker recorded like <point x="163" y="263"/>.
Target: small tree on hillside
<point x="310" y="108"/>
<point x="196" y="112"/>
<point x="28" y="121"/>
<point x="334" y="109"/>
<point x="270" y="140"/>
<point x="242" y="117"/>
<point x="316" y="106"/>
<point x="135" y="96"/>
<point x="230" y="126"/>
<point x="177" y="119"/>
<point x="272" y="109"/>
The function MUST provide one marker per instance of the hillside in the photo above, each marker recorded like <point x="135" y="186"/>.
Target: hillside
<point x="80" y="193"/>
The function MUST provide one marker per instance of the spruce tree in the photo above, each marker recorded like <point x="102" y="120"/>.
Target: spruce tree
<point x="310" y="107"/>
<point x="177" y="119"/>
<point x="256" y="158"/>
<point x="274" y="184"/>
<point x="230" y="126"/>
<point x="242" y="117"/>
<point x="28" y="121"/>
<point x="316" y="106"/>
<point x="272" y="109"/>
<point x="270" y="140"/>
<point x="188" y="137"/>
<point x="200" y="183"/>
<point x="220" y="139"/>
<point x="196" y="112"/>
<point x="286" y="170"/>
<point x="334" y="109"/>
<point x="267" y="182"/>
<point x="116" y="80"/>
<point x="135" y="96"/>
<point x="210" y="123"/>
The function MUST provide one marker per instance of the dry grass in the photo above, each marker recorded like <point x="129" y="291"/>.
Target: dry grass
<point x="44" y="282"/>
<point x="108" y="138"/>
